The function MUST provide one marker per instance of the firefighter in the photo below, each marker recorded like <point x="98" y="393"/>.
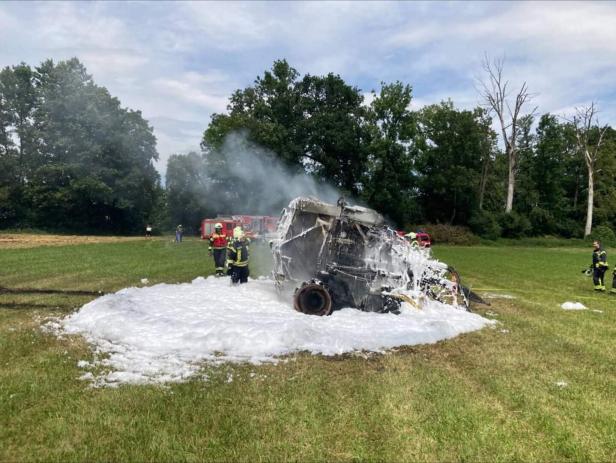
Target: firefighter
<point x="613" y="290"/>
<point x="412" y="237"/>
<point x="237" y="257"/>
<point x="599" y="266"/>
<point x="179" y="232"/>
<point x="218" y="246"/>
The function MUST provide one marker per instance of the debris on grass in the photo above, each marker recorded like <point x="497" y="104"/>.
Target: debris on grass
<point x="144" y="281"/>
<point x="573" y="306"/>
<point x="87" y="376"/>
<point x="597" y="311"/>
<point x="497" y="296"/>
<point x="561" y="384"/>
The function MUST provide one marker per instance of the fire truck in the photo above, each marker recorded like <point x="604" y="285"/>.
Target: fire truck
<point x="255" y="226"/>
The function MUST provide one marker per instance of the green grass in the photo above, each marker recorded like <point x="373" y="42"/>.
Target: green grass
<point x="487" y="396"/>
<point x="541" y="241"/>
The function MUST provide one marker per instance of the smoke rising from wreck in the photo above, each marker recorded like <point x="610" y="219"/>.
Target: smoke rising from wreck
<point x="260" y="183"/>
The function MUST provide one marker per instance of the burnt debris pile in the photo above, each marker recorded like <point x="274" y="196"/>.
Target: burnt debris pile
<point x="328" y="257"/>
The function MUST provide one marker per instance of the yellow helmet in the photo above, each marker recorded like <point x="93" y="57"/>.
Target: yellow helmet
<point x="412" y="235"/>
<point x="238" y="233"/>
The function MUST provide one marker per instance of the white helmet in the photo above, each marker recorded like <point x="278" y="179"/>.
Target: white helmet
<point x="238" y="233"/>
<point x="217" y="225"/>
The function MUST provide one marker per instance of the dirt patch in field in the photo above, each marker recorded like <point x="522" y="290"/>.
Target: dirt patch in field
<point x="18" y="240"/>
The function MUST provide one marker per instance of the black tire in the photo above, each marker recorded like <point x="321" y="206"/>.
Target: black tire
<point x="312" y="299"/>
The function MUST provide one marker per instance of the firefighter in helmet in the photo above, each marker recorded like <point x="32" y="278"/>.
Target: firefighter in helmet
<point x="412" y="238"/>
<point x="218" y="247"/>
<point x="237" y="256"/>
<point x="599" y="266"/>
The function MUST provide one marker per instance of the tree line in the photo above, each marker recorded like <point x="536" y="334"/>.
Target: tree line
<point x="437" y="164"/>
<point x="71" y="157"/>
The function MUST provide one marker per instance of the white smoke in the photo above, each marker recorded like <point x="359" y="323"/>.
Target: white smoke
<point x="272" y="184"/>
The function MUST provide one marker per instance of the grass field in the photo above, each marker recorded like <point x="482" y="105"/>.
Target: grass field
<point x="491" y="395"/>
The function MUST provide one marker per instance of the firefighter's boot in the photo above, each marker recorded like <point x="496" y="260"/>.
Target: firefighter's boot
<point x="599" y="279"/>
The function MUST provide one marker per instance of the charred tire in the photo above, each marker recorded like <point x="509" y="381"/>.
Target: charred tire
<point x="312" y="299"/>
<point x="391" y="305"/>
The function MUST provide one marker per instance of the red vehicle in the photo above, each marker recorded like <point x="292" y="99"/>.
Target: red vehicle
<point x="422" y="238"/>
<point x="255" y="226"/>
<point x="207" y="226"/>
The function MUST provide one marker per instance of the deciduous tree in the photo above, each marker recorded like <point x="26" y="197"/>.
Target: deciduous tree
<point x="495" y="92"/>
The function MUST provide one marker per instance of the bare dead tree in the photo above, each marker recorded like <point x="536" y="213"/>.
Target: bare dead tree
<point x="495" y="93"/>
<point x="588" y="148"/>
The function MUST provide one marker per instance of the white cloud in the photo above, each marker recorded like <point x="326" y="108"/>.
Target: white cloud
<point x="231" y="25"/>
<point x="6" y="21"/>
<point x="191" y="91"/>
<point x="179" y="62"/>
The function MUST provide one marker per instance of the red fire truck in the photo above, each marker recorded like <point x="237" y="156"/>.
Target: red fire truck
<point x="255" y="226"/>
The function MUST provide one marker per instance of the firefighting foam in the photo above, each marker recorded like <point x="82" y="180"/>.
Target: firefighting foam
<point x="167" y="332"/>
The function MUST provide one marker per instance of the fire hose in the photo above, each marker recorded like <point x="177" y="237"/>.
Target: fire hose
<point x="70" y="292"/>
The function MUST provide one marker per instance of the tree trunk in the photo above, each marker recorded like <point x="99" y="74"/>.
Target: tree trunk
<point x="591" y="193"/>
<point x="482" y="184"/>
<point x="20" y="162"/>
<point x="577" y="189"/>
<point x="510" y="183"/>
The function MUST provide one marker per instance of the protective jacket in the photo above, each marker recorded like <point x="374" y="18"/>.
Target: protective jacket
<point x="599" y="259"/>
<point x="599" y="267"/>
<point x="218" y="241"/>
<point x="238" y="253"/>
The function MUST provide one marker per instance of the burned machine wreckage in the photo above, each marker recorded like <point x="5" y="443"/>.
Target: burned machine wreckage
<point x="328" y="257"/>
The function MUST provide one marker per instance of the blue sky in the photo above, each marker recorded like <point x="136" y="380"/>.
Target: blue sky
<point x="179" y="62"/>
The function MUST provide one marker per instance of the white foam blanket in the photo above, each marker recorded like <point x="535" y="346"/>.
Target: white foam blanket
<point x="165" y="332"/>
<point x="573" y="306"/>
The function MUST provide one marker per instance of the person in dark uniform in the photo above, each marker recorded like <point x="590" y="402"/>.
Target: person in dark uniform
<point x="179" y="232"/>
<point x="237" y="257"/>
<point x="218" y="247"/>
<point x="412" y="238"/>
<point x="599" y="266"/>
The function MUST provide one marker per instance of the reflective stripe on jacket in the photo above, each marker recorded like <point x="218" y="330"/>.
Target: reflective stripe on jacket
<point x="599" y="259"/>
<point x="237" y="253"/>
<point x="218" y="241"/>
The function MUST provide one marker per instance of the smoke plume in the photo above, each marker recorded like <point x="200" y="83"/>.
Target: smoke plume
<point x="259" y="182"/>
